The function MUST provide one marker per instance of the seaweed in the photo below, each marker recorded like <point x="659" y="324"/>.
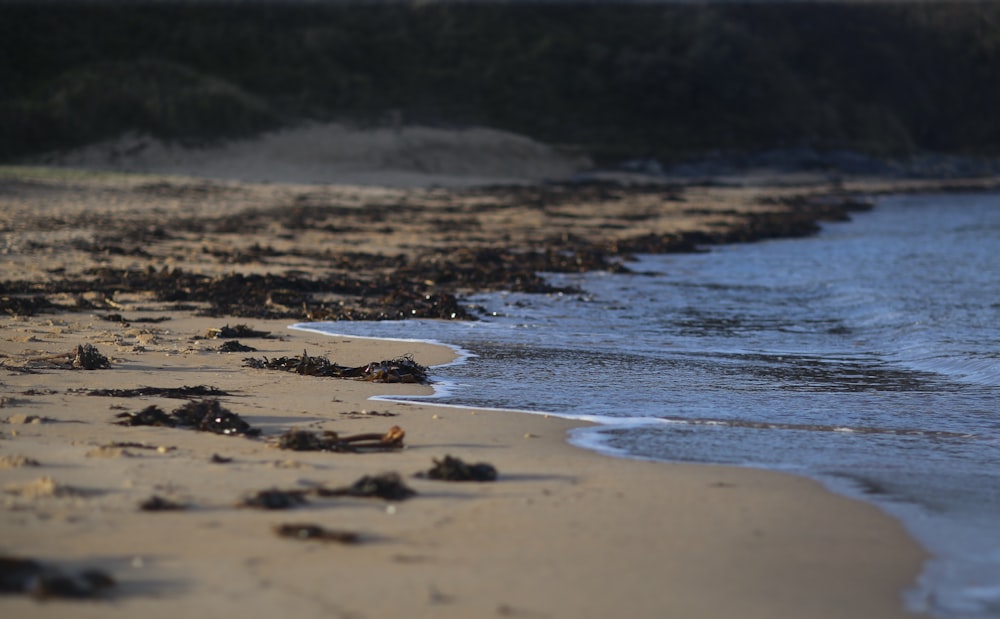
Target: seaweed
<point x="203" y="415"/>
<point x="152" y="415"/>
<point x="125" y="321"/>
<point x="181" y="393"/>
<point x="274" y="499"/>
<point x="399" y="370"/>
<point x="84" y="356"/>
<point x="366" y="413"/>
<point x="88" y="357"/>
<point x="305" y="531"/>
<point x="235" y="346"/>
<point x="454" y="469"/>
<point x="157" y="503"/>
<point x="422" y="283"/>
<point x="30" y="577"/>
<point x="303" y="440"/>
<point x="387" y="486"/>
<point x="210" y="416"/>
<point x="134" y="445"/>
<point x="240" y="330"/>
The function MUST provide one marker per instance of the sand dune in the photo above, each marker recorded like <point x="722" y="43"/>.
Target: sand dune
<point x="339" y="154"/>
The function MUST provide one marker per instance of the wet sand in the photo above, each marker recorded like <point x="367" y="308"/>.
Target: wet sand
<point x="562" y="532"/>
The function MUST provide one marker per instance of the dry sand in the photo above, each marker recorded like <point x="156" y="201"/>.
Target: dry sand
<point x="562" y="533"/>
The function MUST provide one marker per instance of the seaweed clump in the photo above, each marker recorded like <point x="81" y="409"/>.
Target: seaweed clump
<point x="387" y="486"/>
<point x="161" y="392"/>
<point x="240" y="330"/>
<point x="203" y="415"/>
<point x="30" y="577"/>
<point x="274" y="499"/>
<point x="156" y="503"/>
<point x="87" y="357"/>
<point x="235" y="346"/>
<point x="455" y="469"/>
<point x="83" y="357"/>
<point x="399" y="370"/>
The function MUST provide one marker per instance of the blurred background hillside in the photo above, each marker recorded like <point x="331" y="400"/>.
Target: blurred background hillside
<point x="622" y="82"/>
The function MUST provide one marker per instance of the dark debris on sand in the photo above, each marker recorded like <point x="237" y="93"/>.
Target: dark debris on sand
<point x="126" y="321"/>
<point x="387" y="486"/>
<point x="235" y="346"/>
<point x="304" y="440"/>
<point x="426" y="283"/>
<point x="314" y="532"/>
<point x="455" y="469"/>
<point x="240" y="330"/>
<point x="400" y="370"/>
<point x="87" y="357"/>
<point x="274" y="499"/>
<point x="30" y="577"/>
<point x="204" y="415"/>
<point x="83" y="357"/>
<point x="181" y="393"/>
<point x="157" y="503"/>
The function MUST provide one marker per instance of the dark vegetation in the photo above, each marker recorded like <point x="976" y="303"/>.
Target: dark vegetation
<point x="671" y="82"/>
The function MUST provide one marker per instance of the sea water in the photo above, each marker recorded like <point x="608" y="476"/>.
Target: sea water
<point x="867" y="357"/>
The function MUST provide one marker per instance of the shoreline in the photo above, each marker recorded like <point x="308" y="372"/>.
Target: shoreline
<point x="120" y="262"/>
<point x="669" y="537"/>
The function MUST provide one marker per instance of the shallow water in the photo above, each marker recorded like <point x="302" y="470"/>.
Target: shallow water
<point x="867" y="357"/>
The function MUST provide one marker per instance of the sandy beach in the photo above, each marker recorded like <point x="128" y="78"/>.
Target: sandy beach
<point x="561" y="532"/>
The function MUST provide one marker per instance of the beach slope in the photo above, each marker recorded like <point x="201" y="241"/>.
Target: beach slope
<point x="147" y="271"/>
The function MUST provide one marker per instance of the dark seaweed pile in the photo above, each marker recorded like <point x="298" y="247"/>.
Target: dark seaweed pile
<point x="160" y="392"/>
<point x="87" y="357"/>
<point x="240" y="330"/>
<point x="203" y="415"/>
<point x="456" y="469"/>
<point x="427" y="283"/>
<point x="386" y="486"/>
<point x="40" y="580"/>
<point x="274" y="499"/>
<point x="157" y="503"/>
<point x="400" y="370"/>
